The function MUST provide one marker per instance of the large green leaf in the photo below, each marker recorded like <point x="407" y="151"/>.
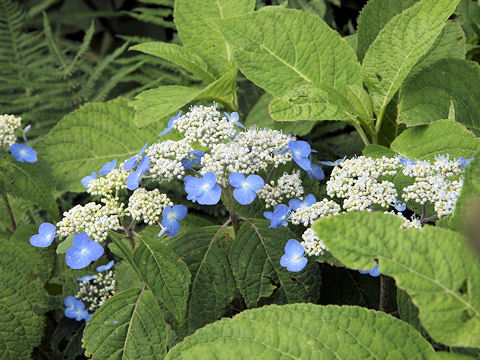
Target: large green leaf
<point x="441" y="137"/>
<point x="305" y="331"/>
<point x="158" y="105"/>
<point x="129" y="325"/>
<point x="273" y="49"/>
<point x="87" y="138"/>
<point x="428" y="95"/>
<point x="255" y="258"/>
<point x="398" y="47"/>
<point x="192" y="18"/>
<point x="165" y="274"/>
<point x="433" y="265"/>
<point x="205" y="251"/>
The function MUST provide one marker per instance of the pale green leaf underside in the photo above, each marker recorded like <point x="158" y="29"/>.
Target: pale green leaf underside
<point x="441" y="137"/>
<point x="426" y="97"/>
<point x="399" y="45"/>
<point x="305" y="331"/>
<point x="433" y="265"/>
<point x="139" y="331"/>
<point x="279" y="49"/>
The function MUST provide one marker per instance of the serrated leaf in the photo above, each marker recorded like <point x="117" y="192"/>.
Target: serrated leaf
<point x="428" y="95"/>
<point x="200" y="36"/>
<point x="399" y="46"/>
<point x="273" y="49"/>
<point x="158" y="105"/>
<point x="205" y="251"/>
<point x="433" y="265"/>
<point x="441" y="137"/>
<point x="165" y="274"/>
<point x="139" y="331"/>
<point x="305" y="331"/>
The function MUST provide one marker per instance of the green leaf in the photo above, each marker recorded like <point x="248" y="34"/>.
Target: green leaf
<point x="433" y="265"/>
<point x="441" y="137"/>
<point x="428" y="95"/>
<point x="399" y="46"/>
<point x="64" y="245"/>
<point x="165" y="274"/>
<point x="158" y="105"/>
<point x="205" y="251"/>
<point x="373" y="18"/>
<point x="272" y="49"/>
<point x="179" y="55"/>
<point x="407" y="310"/>
<point x="305" y="331"/>
<point x="377" y="151"/>
<point x="200" y="36"/>
<point x="139" y="331"/>
<point x="255" y="259"/>
<point x="84" y="140"/>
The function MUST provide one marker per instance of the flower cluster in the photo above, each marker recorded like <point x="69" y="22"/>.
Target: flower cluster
<point x="288" y="186"/>
<point x="8" y="125"/>
<point x="166" y="159"/>
<point x="147" y="205"/>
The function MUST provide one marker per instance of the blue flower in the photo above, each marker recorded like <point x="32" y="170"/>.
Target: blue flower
<point x="87" y="317"/>
<point x="278" y="217"/>
<point x="23" y="153"/>
<point x="108" y="167"/>
<point x="87" y="278"/>
<point x="333" y="163"/>
<point x="245" y="189"/>
<point x="234" y="118"/>
<point x="133" y="179"/>
<point x="294" y="204"/>
<point x="205" y="190"/>
<point x="25" y="131"/>
<point x="86" y="180"/>
<point x="75" y="309"/>
<point x="407" y="161"/>
<point x="372" y="272"/>
<point x="171" y="219"/>
<point x="293" y="258"/>
<point x="301" y="151"/>
<point x="464" y="162"/>
<point x="170" y="124"/>
<point x="132" y="162"/>
<point x="195" y="159"/>
<point x="83" y="251"/>
<point x="316" y="172"/>
<point x="400" y="206"/>
<point x="45" y="236"/>
<point x="115" y="322"/>
<point x="105" y="267"/>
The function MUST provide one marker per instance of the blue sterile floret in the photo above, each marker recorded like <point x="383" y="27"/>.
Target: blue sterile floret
<point x="400" y="206"/>
<point x="105" y="267"/>
<point x="246" y="189"/>
<point x="83" y="251"/>
<point x="170" y="123"/>
<point x="86" y="277"/>
<point x="316" y="172"/>
<point x="75" y="309"/>
<point x="132" y="162"/>
<point x="293" y="258"/>
<point x="108" y="167"/>
<point x="45" y="236"/>
<point x="25" y="131"/>
<point x="301" y="152"/>
<point x="203" y="190"/>
<point x="233" y="117"/>
<point x="333" y="163"/>
<point x="195" y="159"/>
<point x="407" y="161"/>
<point x="278" y="217"/>
<point x="294" y="204"/>
<point x="171" y="219"/>
<point x="23" y="153"/>
<point x="464" y="162"/>
<point x="372" y="272"/>
<point x="86" y="180"/>
<point x="133" y="179"/>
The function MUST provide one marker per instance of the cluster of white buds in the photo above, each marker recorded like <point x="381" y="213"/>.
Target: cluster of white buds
<point x="166" y="159"/>
<point x="109" y="184"/>
<point x="96" y="291"/>
<point x="147" y="205"/>
<point x="93" y="219"/>
<point x="288" y="186"/>
<point x="205" y="125"/>
<point x="413" y="223"/>
<point x="8" y="125"/>
<point x="228" y="158"/>
<point x="306" y="215"/>
<point x="312" y="244"/>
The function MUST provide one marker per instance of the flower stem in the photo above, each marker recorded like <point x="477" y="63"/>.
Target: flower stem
<point x="362" y="134"/>
<point x="229" y="203"/>
<point x="384" y="289"/>
<point x="9" y="211"/>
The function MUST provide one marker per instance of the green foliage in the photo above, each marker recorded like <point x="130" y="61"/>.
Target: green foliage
<point x="432" y="265"/>
<point x="305" y="331"/>
<point x="129" y="325"/>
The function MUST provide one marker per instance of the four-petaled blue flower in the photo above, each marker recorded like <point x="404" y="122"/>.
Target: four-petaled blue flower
<point x="45" y="236"/>
<point x="105" y="267"/>
<point x="87" y="277"/>
<point x="333" y="163"/>
<point x="407" y="161"/>
<point x="171" y="219"/>
<point x="464" y="162"/>
<point x="86" y="180"/>
<point x="205" y="191"/>
<point x="301" y="151"/>
<point x="23" y="153"/>
<point x="134" y="178"/>
<point x="194" y="159"/>
<point x="75" y="309"/>
<point x="372" y="272"/>
<point x="278" y="217"/>
<point x="316" y="172"/>
<point x="83" y="251"/>
<point x="400" y="206"/>
<point x="293" y="258"/>
<point x="170" y="123"/>
<point x="245" y="188"/>
<point x="132" y="162"/>
<point x="108" y="167"/>
<point x="294" y="204"/>
<point x="234" y="118"/>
